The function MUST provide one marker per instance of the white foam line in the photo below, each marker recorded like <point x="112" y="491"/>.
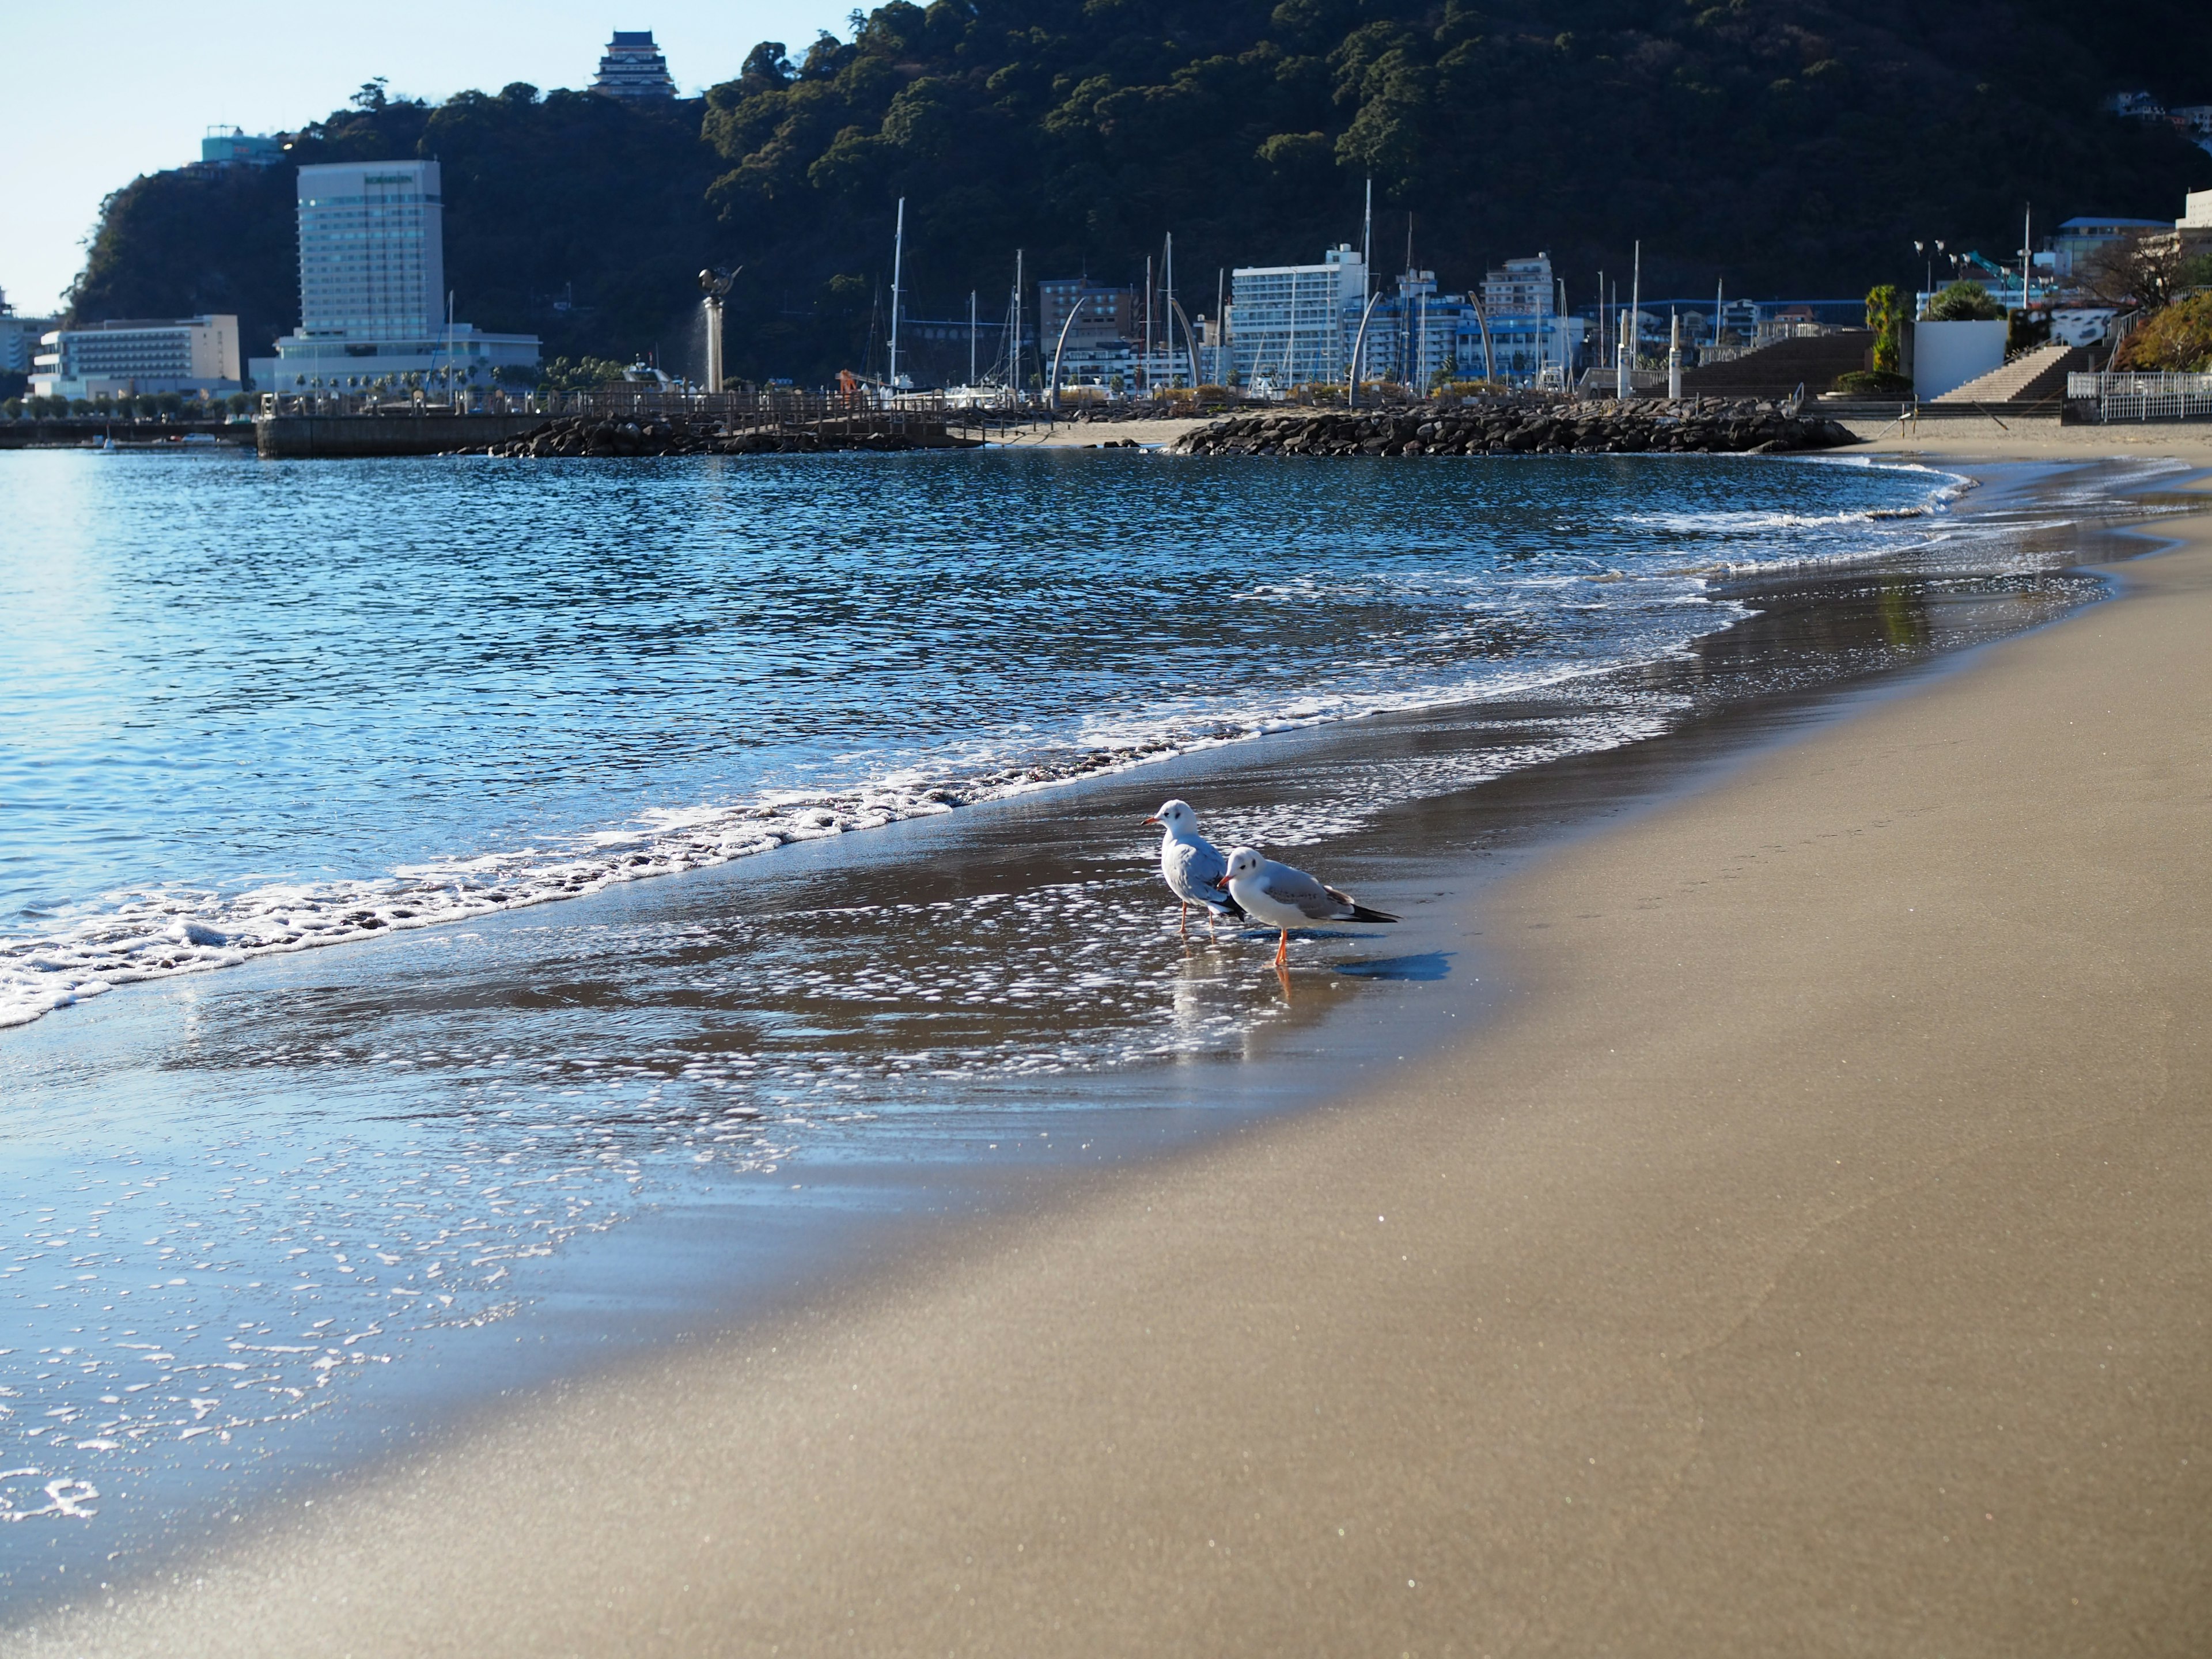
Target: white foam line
<point x="163" y="933"/>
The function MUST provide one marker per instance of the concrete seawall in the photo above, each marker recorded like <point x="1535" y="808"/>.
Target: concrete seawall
<point x="292" y="437"/>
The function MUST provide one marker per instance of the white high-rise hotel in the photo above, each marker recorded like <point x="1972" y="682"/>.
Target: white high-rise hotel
<point x="372" y="299"/>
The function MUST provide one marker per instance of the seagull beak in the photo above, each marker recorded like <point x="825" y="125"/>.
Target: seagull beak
<point x="1151" y="820"/>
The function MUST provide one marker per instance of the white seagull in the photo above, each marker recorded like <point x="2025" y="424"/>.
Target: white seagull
<point x="1284" y="898"/>
<point x="1192" y="865"/>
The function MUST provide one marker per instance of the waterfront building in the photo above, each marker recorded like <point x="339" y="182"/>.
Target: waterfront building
<point x="1109" y="313"/>
<point x="2076" y="241"/>
<point x="632" y="67"/>
<point x="225" y="147"/>
<point x="1286" y="323"/>
<point x="1104" y="342"/>
<point x="19" y="338"/>
<point x="1532" y="338"/>
<point x="372" y="299"/>
<point x="194" y="355"/>
<point x="1528" y="347"/>
<point x="1522" y="287"/>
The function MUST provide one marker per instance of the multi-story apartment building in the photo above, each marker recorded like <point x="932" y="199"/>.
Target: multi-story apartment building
<point x="19" y="338"/>
<point x="373" y="299"/>
<point x="1286" y="323"/>
<point x="1530" y="336"/>
<point x="1108" y="314"/>
<point x="197" y="355"/>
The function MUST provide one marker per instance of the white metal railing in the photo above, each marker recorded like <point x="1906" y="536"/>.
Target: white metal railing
<point x="2125" y="396"/>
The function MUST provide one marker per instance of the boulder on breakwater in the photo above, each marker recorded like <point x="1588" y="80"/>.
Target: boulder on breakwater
<point x="614" y="435"/>
<point x="1525" y="426"/>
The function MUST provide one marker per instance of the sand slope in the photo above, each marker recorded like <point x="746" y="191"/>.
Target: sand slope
<point x="1815" y="1259"/>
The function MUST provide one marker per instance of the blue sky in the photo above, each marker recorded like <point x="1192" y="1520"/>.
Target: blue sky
<point x="102" y="94"/>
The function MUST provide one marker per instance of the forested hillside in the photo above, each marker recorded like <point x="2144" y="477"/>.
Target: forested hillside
<point x="1794" y="146"/>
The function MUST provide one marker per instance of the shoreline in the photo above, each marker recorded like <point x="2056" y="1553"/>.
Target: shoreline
<point x="1598" y="1258"/>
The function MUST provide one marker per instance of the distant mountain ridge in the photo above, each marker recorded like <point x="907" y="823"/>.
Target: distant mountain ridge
<point x="1791" y="147"/>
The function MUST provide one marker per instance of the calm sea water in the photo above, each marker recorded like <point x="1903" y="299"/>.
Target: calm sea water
<point x="252" y="707"/>
<point x="264" y="1207"/>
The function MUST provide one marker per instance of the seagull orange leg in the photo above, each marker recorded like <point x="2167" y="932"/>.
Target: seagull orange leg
<point x="1283" y="948"/>
<point x="1186" y="919"/>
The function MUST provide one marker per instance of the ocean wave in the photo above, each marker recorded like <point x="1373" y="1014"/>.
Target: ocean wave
<point x="133" y="935"/>
<point x="138" y="935"/>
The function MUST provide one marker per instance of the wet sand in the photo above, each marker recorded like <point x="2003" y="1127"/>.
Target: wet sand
<point x="1810" y="1256"/>
<point x="1068" y="433"/>
<point x="2031" y="438"/>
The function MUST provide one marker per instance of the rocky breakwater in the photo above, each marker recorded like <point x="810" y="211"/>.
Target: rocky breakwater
<point x="615" y="435"/>
<point x="1547" y="426"/>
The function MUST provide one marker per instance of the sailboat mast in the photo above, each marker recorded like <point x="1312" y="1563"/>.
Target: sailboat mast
<point x="971" y="337"/>
<point x="1148" y="324"/>
<point x="1220" y="321"/>
<point x="898" y="256"/>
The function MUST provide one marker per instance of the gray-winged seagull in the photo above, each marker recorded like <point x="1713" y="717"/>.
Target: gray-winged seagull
<point x="1192" y="865"/>
<point x="1285" y="898"/>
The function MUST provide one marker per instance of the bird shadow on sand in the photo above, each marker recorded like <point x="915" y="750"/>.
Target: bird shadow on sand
<point x="1426" y="965"/>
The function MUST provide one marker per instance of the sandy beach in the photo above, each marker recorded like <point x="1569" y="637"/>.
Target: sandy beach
<point x="1809" y="1256"/>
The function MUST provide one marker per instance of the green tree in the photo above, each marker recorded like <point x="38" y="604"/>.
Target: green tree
<point x="1885" y="315"/>
<point x="581" y="374"/>
<point x="1964" y="303"/>
<point x="1780" y="145"/>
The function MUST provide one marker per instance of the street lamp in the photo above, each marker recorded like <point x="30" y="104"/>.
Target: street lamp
<point x="1922" y="248"/>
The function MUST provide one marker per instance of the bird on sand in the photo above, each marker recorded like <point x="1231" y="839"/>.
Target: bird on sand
<point x="1192" y="865"/>
<point x="1284" y="898"/>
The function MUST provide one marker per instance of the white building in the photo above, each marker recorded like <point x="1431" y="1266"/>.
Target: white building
<point x="227" y="147"/>
<point x="197" y="355"/>
<point x="372" y="299"/>
<point x="19" y="338"/>
<point x="634" y="68"/>
<point x="1286" y="323"/>
<point x="1522" y="287"/>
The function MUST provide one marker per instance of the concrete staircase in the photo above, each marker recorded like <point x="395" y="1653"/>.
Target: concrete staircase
<point x="1776" y="371"/>
<point x="2033" y="377"/>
